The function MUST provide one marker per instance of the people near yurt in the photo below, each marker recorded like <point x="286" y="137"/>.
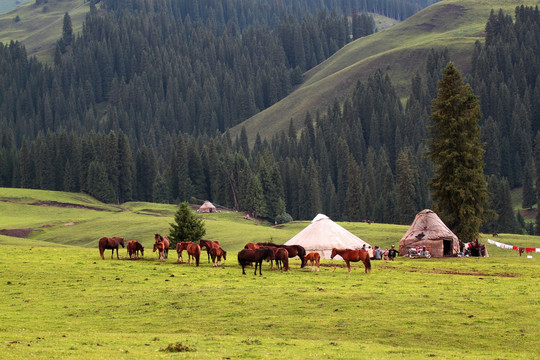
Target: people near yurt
<point x="392" y="253"/>
<point x="378" y="253"/>
<point x="370" y="252"/>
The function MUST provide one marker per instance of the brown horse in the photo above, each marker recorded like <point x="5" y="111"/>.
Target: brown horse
<point x="246" y="256"/>
<point x="282" y="256"/>
<point x="293" y="250"/>
<point x="251" y="246"/>
<point x="217" y="253"/>
<point x="133" y="248"/>
<point x="110" y="243"/>
<point x="353" y="255"/>
<point x="180" y="247"/>
<point x="208" y="244"/>
<point x="315" y="259"/>
<point x="158" y="238"/>
<point x="160" y="247"/>
<point x="193" y="251"/>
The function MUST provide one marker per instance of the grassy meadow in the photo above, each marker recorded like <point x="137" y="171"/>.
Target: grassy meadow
<point x="60" y="300"/>
<point x="40" y="27"/>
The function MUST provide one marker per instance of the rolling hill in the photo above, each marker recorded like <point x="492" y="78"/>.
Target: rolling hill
<point x="400" y="51"/>
<point x="41" y="26"/>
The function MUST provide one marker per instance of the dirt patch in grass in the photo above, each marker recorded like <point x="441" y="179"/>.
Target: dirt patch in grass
<point x="455" y="272"/>
<point x="19" y="233"/>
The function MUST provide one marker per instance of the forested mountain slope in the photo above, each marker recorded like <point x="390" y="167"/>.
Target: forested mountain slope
<point x="134" y="108"/>
<point x="399" y="51"/>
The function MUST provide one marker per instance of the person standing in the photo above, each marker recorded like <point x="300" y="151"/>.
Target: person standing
<point x="385" y="254"/>
<point x="392" y="253"/>
<point x="378" y="254"/>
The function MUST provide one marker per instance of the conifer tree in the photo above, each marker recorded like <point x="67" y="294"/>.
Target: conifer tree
<point x="186" y="226"/>
<point x="459" y="187"/>
<point x="67" y="30"/>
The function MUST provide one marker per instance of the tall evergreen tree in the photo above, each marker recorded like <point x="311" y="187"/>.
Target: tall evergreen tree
<point x="67" y="30"/>
<point x="186" y="226"/>
<point x="459" y="187"/>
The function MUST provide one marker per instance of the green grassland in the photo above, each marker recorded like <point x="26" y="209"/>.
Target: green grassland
<point x="400" y="51"/>
<point x="40" y="27"/>
<point x="60" y="300"/>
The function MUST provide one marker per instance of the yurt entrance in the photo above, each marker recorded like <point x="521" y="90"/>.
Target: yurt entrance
<point x="447" y="247"/>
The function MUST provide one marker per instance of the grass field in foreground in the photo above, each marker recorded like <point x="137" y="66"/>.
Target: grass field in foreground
<point x="60" y="300"/>
<point x="68" y="303"/>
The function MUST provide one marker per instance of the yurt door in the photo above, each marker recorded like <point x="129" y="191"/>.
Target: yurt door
<point x="447" y="251"/>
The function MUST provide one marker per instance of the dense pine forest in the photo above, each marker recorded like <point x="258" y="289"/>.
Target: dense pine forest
<point x="137" y="105"/>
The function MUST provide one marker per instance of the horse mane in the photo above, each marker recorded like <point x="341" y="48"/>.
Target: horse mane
<point x="268" y="244"/>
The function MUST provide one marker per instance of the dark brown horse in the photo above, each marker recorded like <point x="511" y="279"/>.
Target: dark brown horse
<point x="246" y="256"/>
<point x="158" y="238"/>
<point x="180" y="247"/>
<point x="217" y="253"/>
<point x="293" y="250"/>
<point x="133" y="247"/>
<point x="282" y="257"/>
<point x="160" y="247"/>
<point x="208" y="244"/>
<point x="193" y="251"/>
<point x="315" y="259"/>
<point x="353" y="255"/>
<point x="110" y="243"/>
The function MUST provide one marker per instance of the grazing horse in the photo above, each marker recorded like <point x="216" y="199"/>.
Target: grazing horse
<point x="110" y="243"/>
<point x="251" y="246"/>
<point x="282" y="256"/>
<point x="158" y="238"/>
<point x="193" y="251"/>
<point x="208" y="244"/>
<point x="217" y="253"/>
<point x="160" y="247"/>
<point x="293" y="250"/>
<point x="180" y="247"/>
<point x="133" y="248"/>
<point x="257" y="256"/>
<point x="353" y="255"/>
<point x="315" y="259"/>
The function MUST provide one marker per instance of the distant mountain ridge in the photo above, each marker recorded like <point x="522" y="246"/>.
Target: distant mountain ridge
<point x="400" y="51"/>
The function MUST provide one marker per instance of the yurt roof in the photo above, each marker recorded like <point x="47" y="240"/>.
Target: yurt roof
<point x="207" y="204"/>
<point x="323" y="234"/>
<point x="428" y="223"/>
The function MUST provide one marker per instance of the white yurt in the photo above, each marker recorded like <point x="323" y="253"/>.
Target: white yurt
<point x="323" y="234"/>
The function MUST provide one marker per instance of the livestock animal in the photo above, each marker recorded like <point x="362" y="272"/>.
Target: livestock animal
<point x="180" y="247"/>
<point x="208" y="244"/>
<point x="217" y="253"/>
<point x="193" y="251"/>
<point x="353" y="255"/>
<point x="158" y="238"/>
<point x="282" y="257"/>
<point x="293" y="250"/>
<point x="160" y="247"/>
<point x="110" y="243"/>
<point x="133" y="248"/>
<point x="315" y="259"/>
<point x="246" y="256"/>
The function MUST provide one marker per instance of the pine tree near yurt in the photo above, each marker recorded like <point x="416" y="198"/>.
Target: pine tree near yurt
<point x="459" y="187"/>
<point x="186" y="227"/>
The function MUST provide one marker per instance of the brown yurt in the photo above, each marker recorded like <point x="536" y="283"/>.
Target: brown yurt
<point x="429" y="230"/>
<point x="207" y="207"/>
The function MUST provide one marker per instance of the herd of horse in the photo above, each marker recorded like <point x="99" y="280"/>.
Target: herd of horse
<point x="252" y="253"/>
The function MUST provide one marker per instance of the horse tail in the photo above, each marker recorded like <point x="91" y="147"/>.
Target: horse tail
<point x="302" y="255"/>
<point x="367" y="264"/>
<point x="101" y="248"/>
